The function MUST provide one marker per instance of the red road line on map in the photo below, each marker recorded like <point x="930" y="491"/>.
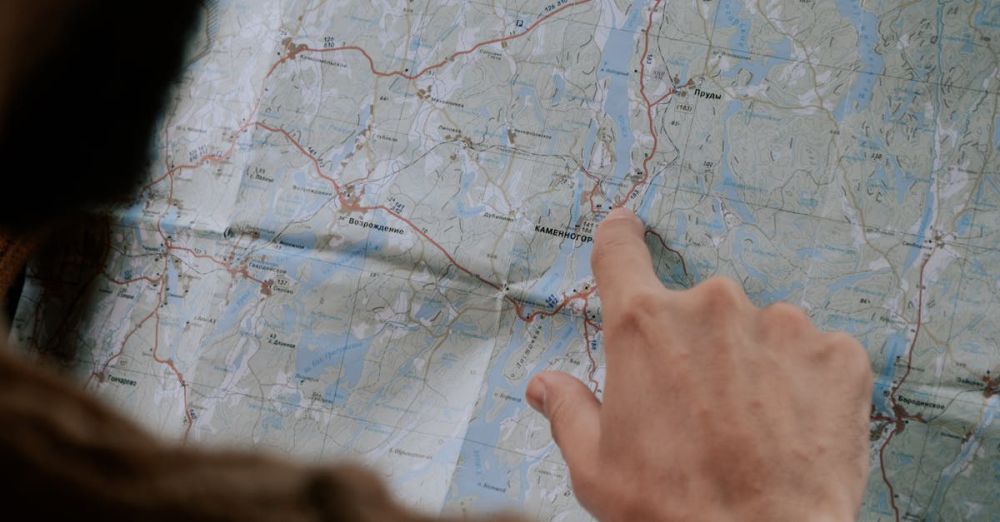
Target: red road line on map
<point x="885" y="478"/>
<point x="250" y="122"/>
<point x="208" y="158"/>
<point x="313" y="159"/>
<point x="671" y="92"/>
<point x="649" y="108"/>
<point x="170" y="364"/>
<point x="519" y="307"/>
<point x="169" y="248"/>
<point x="592" y="368"/>
<point x="128" y="335"/>
<point x="294" y="52"/>
<point x="155" y="315"/>
<point x="353" y="206"/>
<point x="344" y="201"/>
<point x="592" y="192"/>
<point x="916" y="330"/>
<point x="901" y="415"/>
<point x="431" y="240"/>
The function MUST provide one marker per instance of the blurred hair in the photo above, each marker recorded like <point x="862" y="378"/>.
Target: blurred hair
<point x="80" y="118"/>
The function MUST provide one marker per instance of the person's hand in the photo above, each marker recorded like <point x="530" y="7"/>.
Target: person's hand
<point x="713" y="409"/>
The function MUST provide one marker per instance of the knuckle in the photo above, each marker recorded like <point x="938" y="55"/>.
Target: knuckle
<point x="849" y="353"/>
<point x="639" y="306"/>
<point x="845" y="344"/>
<point x="720" y="292"/>
<point x="785" y="317"/>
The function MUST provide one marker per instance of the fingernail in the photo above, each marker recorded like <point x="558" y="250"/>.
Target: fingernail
<point x="535" y="394"/>
<point x="619" y="213"/>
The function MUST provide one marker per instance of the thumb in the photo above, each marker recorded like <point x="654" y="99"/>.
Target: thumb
<point x="574" y="415"/>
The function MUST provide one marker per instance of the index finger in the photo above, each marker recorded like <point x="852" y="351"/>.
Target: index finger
<point x="620" y="260"/>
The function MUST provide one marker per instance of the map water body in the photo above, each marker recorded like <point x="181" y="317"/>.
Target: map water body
<point x="367" y="224"/>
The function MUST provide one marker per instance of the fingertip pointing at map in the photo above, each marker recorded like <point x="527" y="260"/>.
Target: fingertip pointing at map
<point x="535" y="394"/>
<point x="621" y="260"/>
<point x="620" y="213"/>
<point x="618" y="221"/>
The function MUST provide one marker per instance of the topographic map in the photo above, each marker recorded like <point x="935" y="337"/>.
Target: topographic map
<point x="367" y="224"/>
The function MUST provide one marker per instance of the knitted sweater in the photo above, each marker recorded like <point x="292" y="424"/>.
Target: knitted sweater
<point x="65" y="454"/>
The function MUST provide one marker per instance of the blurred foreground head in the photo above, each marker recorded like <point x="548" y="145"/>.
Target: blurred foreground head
<point x="82" y="83"/>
